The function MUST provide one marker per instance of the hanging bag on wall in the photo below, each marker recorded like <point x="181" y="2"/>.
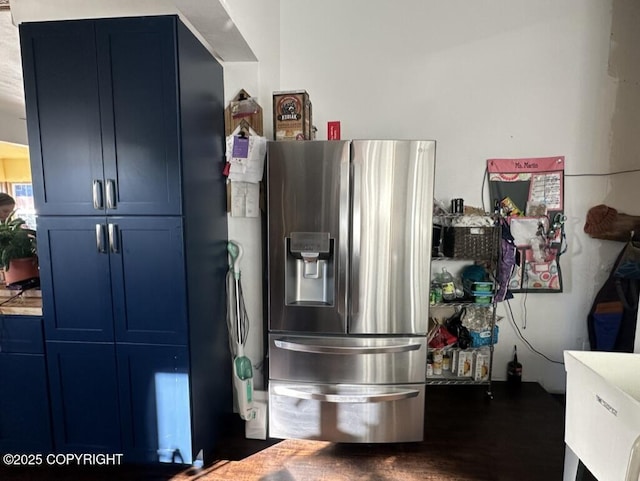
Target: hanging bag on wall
<point x="507" y="262"/>
<point x="611" y="322"/>
<point x="629" y="265"/>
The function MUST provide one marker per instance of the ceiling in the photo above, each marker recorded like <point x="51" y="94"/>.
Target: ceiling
<point x="11" y="91"/>
<point x="209" y="19"/>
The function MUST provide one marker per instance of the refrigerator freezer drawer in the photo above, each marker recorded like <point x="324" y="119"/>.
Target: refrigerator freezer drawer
<point x="361" y="360"/>
<point x="346" y="413"/>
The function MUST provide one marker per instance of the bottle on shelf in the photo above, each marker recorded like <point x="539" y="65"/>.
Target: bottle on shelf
<point x="436" y="291"/>
<point x="448" y="286"/>
<point x="446" y="362"/>
<point x="437" y="362"/>
<point x="514" y="369"/>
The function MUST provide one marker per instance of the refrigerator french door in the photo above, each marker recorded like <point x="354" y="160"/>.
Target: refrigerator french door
<point x="349" y="243"/>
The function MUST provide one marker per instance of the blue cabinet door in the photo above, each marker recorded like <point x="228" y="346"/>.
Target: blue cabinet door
<point x="101" y="274"/>
<point x="139" y="107"/>
<point x="25" y="426"/>
<point x="84" y="397"/>
<point x="63" y="115"/>
<point x="155" y="401"/>
<point x="148" y="279"/>
<point x="102" y="112"/>
<point x="75" y="278"/>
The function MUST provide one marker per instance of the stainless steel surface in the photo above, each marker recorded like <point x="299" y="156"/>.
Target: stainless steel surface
<point x="100" y="238"/>
<point x="352" y="359"/>
<point x="313" y="346"/>
<point x="340" y="413"/>
<point x="308" y="191"/>
<point x="391" y="239"/>
<point x="379" y="395"/>
<point x="97" y="194"/>
<point x="349" y="234"/>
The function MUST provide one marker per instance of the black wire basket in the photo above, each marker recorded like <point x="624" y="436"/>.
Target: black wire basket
<point x="479" y="243"/>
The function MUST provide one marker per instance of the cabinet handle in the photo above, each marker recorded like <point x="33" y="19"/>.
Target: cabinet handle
<point x="113" y="238"/>
<point x="100" y="239"/>
<point x="97" y="194"/>
<point x="111" y="194"/>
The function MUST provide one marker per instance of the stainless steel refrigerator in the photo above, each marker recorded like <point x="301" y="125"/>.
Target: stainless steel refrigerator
<point x="349" y="249"/>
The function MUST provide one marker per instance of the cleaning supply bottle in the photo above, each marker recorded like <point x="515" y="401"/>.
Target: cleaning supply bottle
<point x="448" y="286"/>
<point x="514" y="369"/>
<point x="436" y="290"/>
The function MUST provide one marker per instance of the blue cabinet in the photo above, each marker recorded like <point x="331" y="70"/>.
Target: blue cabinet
<point x="75" y="280"/>
<point x="115" y="278"/>
<point x="84" y="397"/>
<point x="101" y="100"/>
<point x="63" y="115"/>
<point x="154" y="395"/>
<point x="25" y="425"/>
<point x="125" y="118"/>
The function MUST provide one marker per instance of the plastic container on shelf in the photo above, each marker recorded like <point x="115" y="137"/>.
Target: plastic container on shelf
<point x="481" y="338"/>
<point x="482" y="287"/>
<point x="482" y="298"/>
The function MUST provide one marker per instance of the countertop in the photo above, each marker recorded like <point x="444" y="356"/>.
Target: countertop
<point x="29" y="303"/>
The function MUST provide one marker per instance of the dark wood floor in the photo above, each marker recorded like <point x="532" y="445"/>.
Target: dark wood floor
<point x="517" y="436"/>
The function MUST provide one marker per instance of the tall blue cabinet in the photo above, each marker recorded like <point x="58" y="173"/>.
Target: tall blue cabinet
<point x="126" y="134"/>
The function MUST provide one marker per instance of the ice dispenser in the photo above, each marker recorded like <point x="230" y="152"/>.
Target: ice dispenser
<point x="309" y="273"/>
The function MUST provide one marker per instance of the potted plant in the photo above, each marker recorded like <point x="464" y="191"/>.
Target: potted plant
<point x="18" y="251"/>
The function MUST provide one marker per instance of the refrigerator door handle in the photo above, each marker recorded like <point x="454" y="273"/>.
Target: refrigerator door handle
<point x="345" y="398"/>
<point x="348" y="350"/>
<point x="344" y="267"/>
<point x="356" y="223"/>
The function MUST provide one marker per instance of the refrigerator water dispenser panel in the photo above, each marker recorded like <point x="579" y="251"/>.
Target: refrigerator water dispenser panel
<point x="309" y="270"/>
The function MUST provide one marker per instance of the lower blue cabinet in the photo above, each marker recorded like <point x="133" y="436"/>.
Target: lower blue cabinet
<point x="121" y="398"/>
<point x="155" y="403"/>
<point x="84" y="397"/>
<point x="25" y="423"/>
<point x="24" y="404"/>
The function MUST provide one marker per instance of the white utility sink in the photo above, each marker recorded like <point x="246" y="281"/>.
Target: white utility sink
<point x="602" y="423"/>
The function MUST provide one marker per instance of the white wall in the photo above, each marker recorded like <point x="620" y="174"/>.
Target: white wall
<point x="499" y="78"/>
